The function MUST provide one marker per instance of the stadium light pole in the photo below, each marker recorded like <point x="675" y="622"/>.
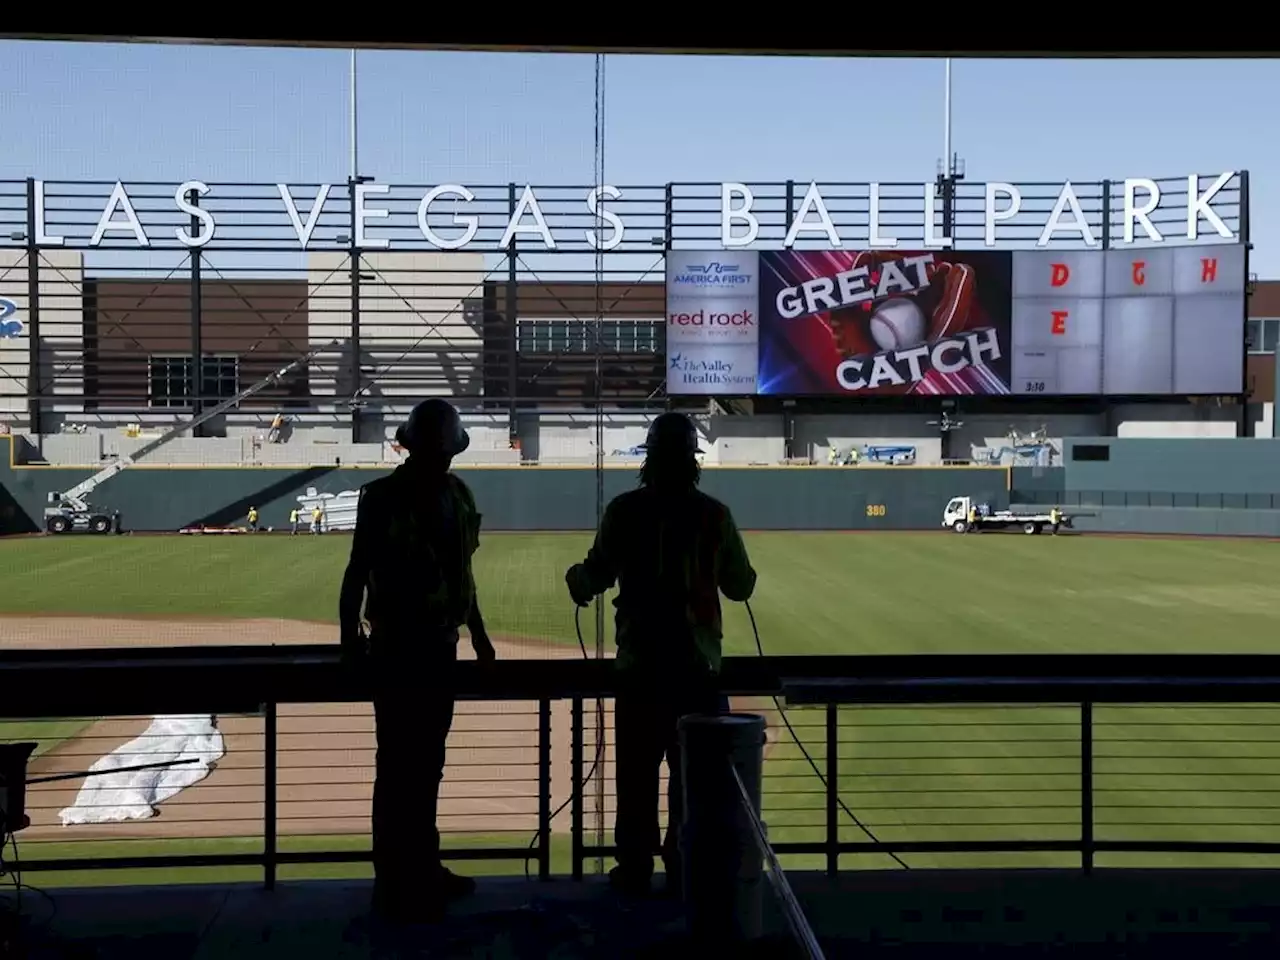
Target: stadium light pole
<point x="946" y="121"/>
<point x="355" y="120"/>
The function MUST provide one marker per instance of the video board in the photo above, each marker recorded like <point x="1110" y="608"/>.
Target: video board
<point x="1134" y="322"/>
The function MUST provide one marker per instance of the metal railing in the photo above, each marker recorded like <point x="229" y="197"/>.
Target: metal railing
<point x="1049" y="760"/>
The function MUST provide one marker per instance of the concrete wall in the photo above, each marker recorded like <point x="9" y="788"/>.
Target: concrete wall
<point x="1241" y="466"/>
<point x="737" y="439"/>
<point x="516" y="498"/>
<point x="420" y="323"/>
<point x="61" y="352"/>
<point x="1173" y="421"/>
<point x="1150" y="486"/>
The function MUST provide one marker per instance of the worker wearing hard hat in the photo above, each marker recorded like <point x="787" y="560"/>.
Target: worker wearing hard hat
<point x="672" y="550"/>
<point x="293" y="521"/>
<point x="317" y="516"/>
<point x="253" y="519"/>
<point x="416" y="531"/>
<point x="1055" y="519"/>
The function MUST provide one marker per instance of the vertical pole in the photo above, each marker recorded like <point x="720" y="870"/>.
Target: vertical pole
<point x="948" y="190"/>
<point x="269" y="775"/>
<point x="668" y="244"/>
<point x="513" y="320"/>
<point x="1086" y="787"/>
<point x="946" y="123"/>
<point x="1106" y="214"/>
<point x="544" y="789"/>
<point x="34" y="373"/>
<point x="788" y="414"/>
<point x="1242" y="425"/>
<point x="576" y="785"/>
<point x="355" y="123"/>
<point x="833" y="790"/>
<point x="1107" y="408"/>
<point x="197" y="321"/>
<point x="354" y="253"/>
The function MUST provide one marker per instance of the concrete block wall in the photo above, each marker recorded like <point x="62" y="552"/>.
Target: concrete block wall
<point x="1172" y="421"/>
<point x="323" y="437"/>
<point x="420" y="323"/>
<point x="61" y="348"/>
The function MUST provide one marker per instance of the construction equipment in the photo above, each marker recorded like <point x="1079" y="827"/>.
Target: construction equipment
<point x="70" y="511"/>
<point x="956" y="516"/>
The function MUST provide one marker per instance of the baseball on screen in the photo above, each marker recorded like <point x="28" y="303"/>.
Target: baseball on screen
<point x="876" y="322"/>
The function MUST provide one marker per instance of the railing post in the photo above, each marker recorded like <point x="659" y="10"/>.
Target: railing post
<point x="1086" y="786"/>
<point x="833" y="790"/>
<point x="544" y="789"/>
<point x="575" y="785"/>
<point x="269" y="797"/>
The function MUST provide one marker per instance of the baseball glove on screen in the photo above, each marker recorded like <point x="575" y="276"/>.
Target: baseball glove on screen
<point x="946" y="303"/>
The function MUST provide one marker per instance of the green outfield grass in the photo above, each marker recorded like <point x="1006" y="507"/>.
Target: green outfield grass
<point x="818" y="592"/>
<point x="986" y="772"/>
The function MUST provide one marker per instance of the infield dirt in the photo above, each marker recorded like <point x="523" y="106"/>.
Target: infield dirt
<point x="325" y="751"/>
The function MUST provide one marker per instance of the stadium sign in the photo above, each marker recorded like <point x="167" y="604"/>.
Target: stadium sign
<point x="739" y="225"/>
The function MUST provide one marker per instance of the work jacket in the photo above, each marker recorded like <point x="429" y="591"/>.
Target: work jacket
<point x="414" y="539"/>
<point x="671" y="554"/>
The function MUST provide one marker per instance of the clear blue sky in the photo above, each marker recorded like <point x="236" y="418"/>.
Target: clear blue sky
<point x="133" y="112"/>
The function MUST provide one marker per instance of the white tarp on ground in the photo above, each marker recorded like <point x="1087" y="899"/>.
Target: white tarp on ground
<point x="112" y="797"/>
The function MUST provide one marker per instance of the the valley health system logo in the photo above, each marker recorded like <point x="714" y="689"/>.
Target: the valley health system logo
<point x="713" y="321"/>
<point x="722" y="370"/>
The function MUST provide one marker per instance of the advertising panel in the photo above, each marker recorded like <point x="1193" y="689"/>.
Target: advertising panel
<point x="713" y="322"/>
<point x="1151" y="322"/>
<point x="876" y="322"/>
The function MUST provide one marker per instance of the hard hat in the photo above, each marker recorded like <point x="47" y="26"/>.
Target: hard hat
<point x="672" y="433"/>
<point x="434" y="426"/>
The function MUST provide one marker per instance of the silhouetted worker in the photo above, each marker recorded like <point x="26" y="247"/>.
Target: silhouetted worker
<point x="671" y="549"/>
<point x="416" y="531"/>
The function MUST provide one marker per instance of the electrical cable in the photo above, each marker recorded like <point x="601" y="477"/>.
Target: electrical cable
<point x="804" y="752"/>
<point x="782" y="714"/>
<point x="595" y="762"/>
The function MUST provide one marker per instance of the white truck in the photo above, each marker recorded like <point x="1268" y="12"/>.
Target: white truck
<point x="956" y="517"/>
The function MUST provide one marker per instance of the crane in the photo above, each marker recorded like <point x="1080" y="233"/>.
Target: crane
<point x="70" y="509"/>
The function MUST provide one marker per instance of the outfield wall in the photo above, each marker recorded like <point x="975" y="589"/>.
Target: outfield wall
<point x="1148" y="486"/>
<point x="517" y="498"/>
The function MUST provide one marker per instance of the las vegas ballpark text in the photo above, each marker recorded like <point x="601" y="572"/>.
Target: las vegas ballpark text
<point x="739" y="226"/>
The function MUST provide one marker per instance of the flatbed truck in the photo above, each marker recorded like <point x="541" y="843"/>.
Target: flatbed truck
<point x="956" y="517"/>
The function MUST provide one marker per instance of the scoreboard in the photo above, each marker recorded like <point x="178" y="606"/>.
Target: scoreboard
<point x="1128" y="322"/>
<point x="1134" y="322"/>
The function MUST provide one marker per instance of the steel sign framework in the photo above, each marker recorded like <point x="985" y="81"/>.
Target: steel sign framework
<point x="488" y="292"/>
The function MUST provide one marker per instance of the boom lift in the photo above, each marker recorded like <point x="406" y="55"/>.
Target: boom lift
<point x="71" y="510"/>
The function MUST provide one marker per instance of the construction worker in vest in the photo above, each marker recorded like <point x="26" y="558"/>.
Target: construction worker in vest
<point x="410" y="567"/>
<point x="253" y="519"/>
<point x="833" y="456"/>
<point x="293" y="522"/>
<point x="973" y="517"/>
<point x="317" y="515"/>
<point x="1055" y="519"/>
<point x="672" y="550"/>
